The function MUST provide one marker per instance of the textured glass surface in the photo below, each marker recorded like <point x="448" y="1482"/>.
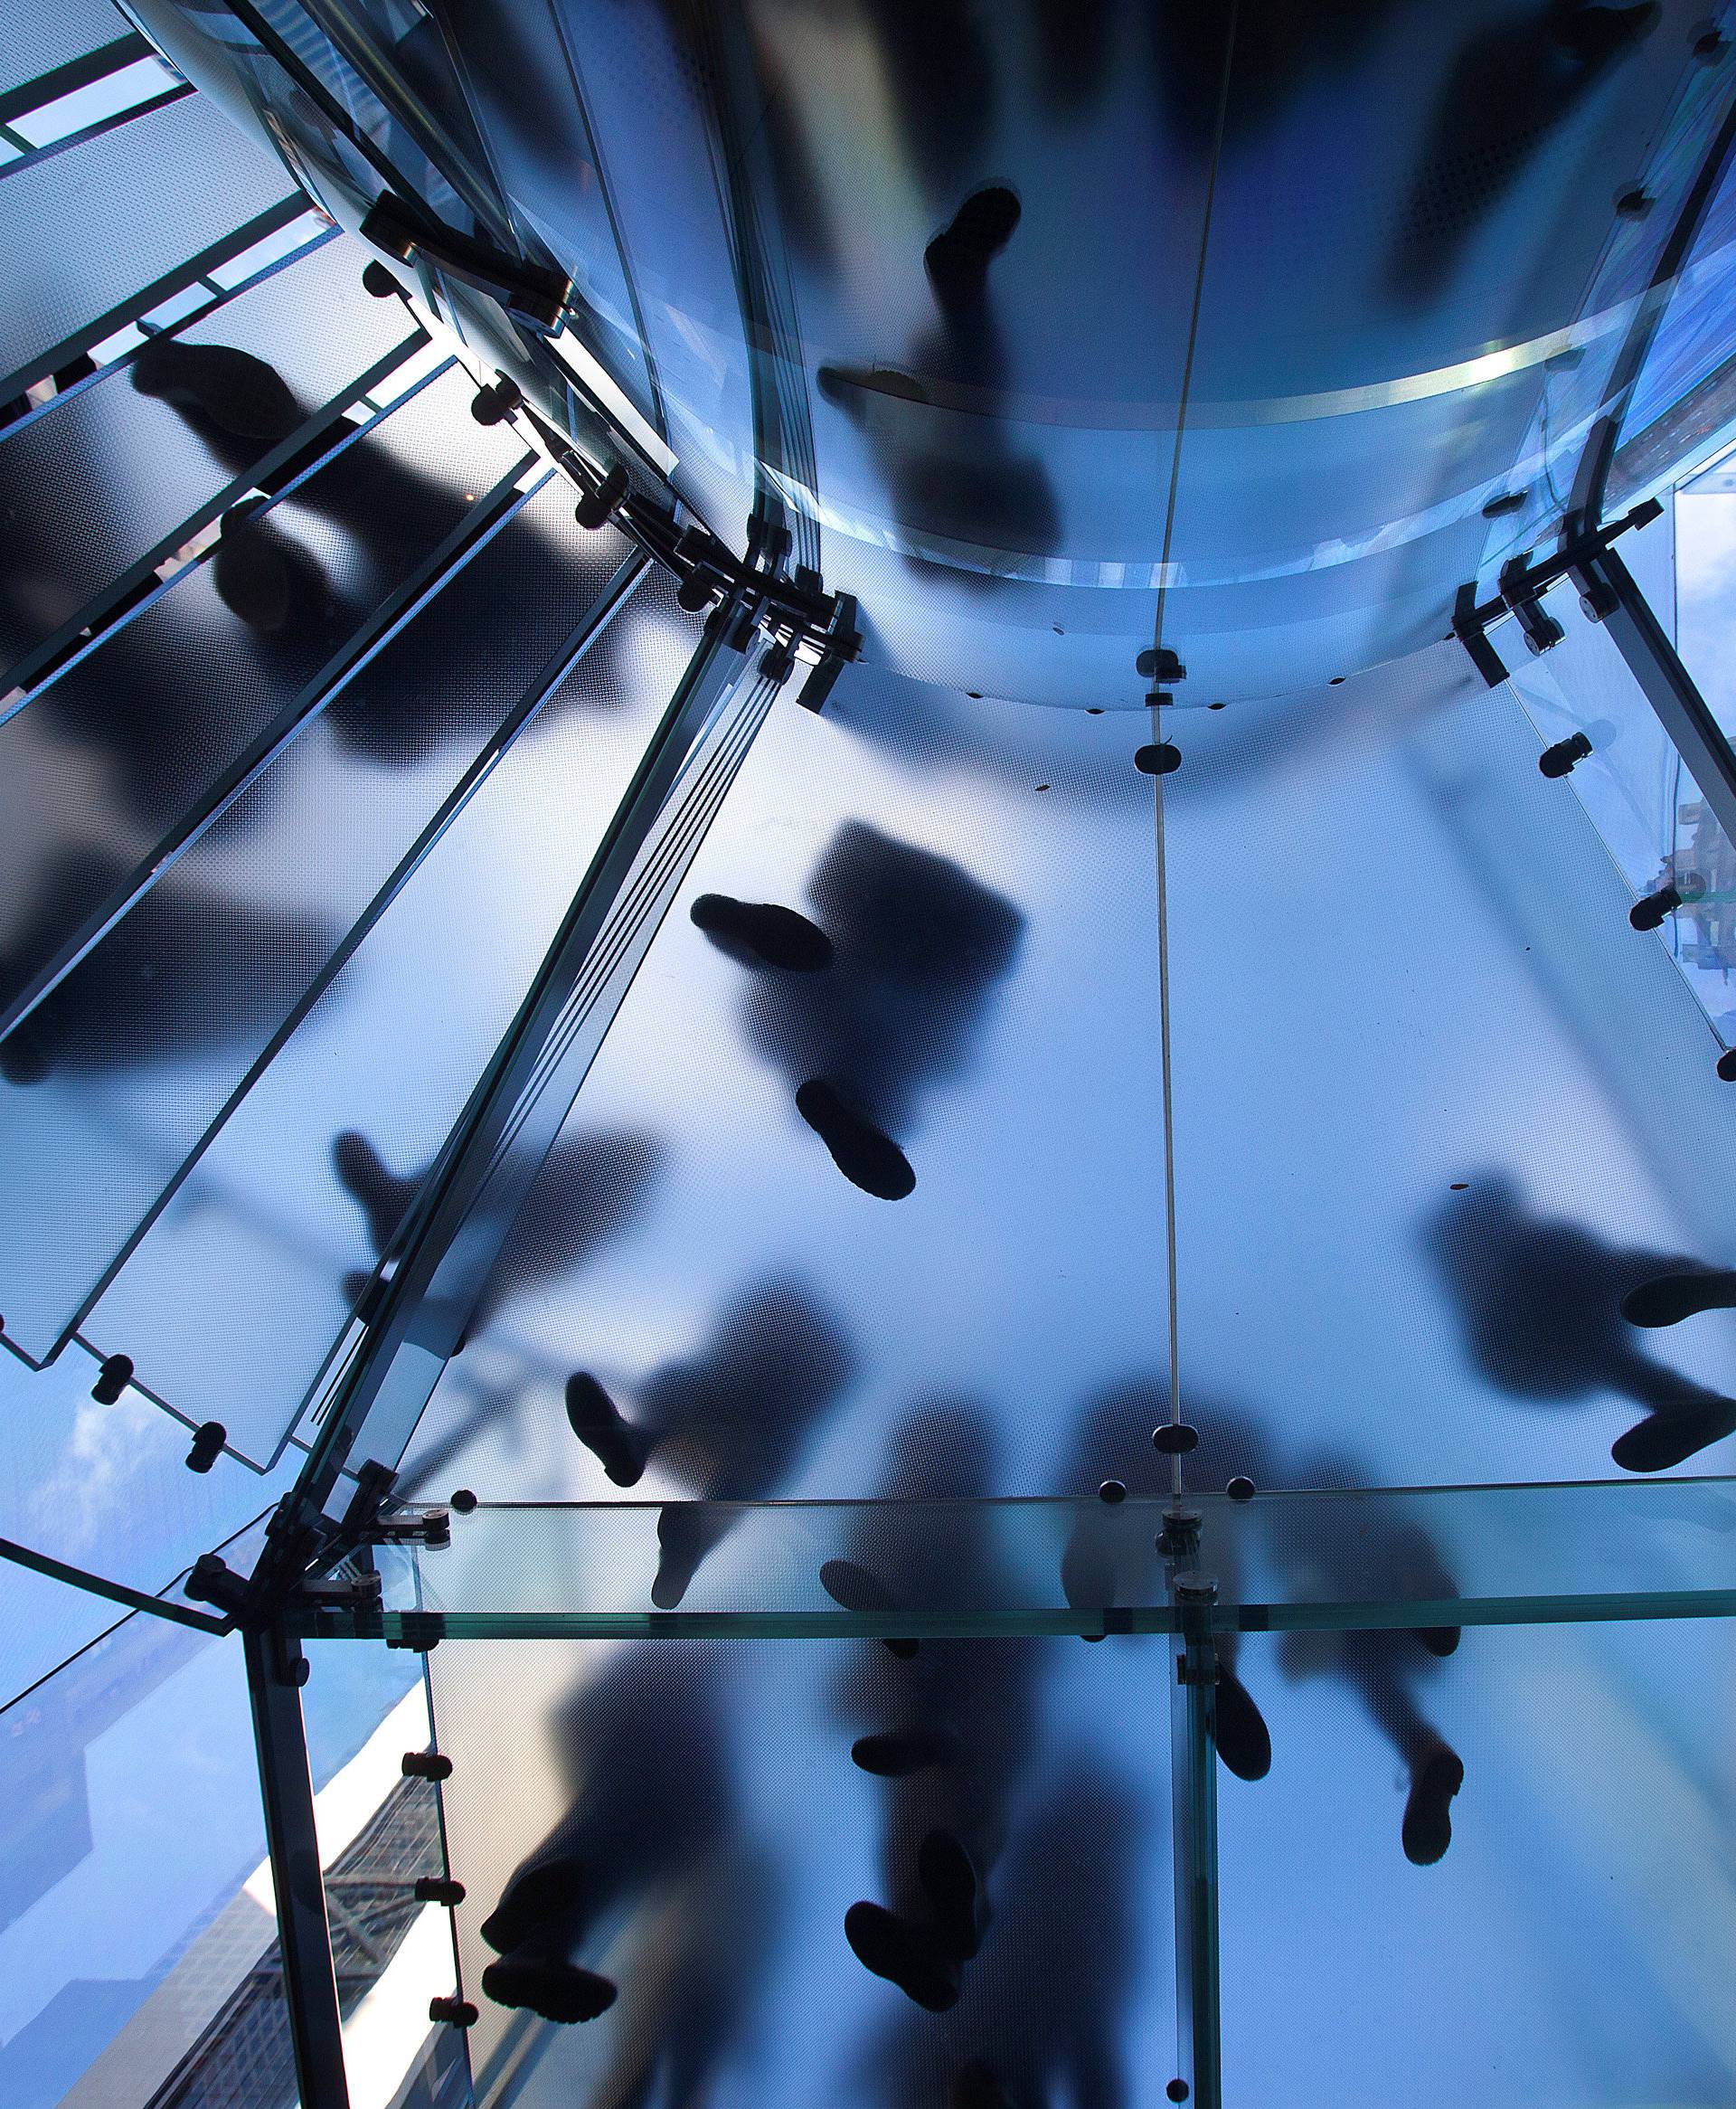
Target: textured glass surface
<point x="189" y="177"/>
<point x="650" y="83"/>
<point x="46" y="34"/>
<point x="1439" y="1108"/>
<point x="1418" y="1556"/>
<point x="708" y="1793"/>
<point x="238" y="1293"/>
<point x="122" y="469"/>
<point x="985" y="882"/>
<point x="1704" y="513"/>
<point x="1635" y="788"/>
<point x="1569" y="1948"/>
<point x="108" y="761"/>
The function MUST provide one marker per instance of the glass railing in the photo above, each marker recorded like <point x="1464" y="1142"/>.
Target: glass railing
<point x="1431" y="1559"/>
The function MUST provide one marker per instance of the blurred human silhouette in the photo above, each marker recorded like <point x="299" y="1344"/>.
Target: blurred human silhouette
<point x="729" y="1423"/>
<point x="934" y="422"/>
<point x="950" y="1727"/>
<point x="875" y="997"/>
<point x="187" y="969"/>
<point x="1111" y="1559"/>
<point x="1541" y="1302"/>
<point x="1372" y="1552"/>
<point x="590" y="1187"/>
<point x="1041" y="2017"/>
<point x="1515" y="82"/>
<point x="236" y="403"/>
<point x="650" y="1803"/>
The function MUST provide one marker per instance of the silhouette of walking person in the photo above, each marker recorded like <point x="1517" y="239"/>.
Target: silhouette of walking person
<point x="650" y="1801"/>
<point x="953" y="1719"/>
<point x="1544" y="1307"/>
<point x="729" y="1422"/>
<point x="876" y="998"/>
<point x="1374" y="1555"/>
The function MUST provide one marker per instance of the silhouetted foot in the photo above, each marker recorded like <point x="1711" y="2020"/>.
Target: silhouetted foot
<point x="1440" y="1640"/>
<point x="1672" y="1298"/>
<point x="758" y="933"/>
<point x="949" y="1880"/>
<point x="1666" y="1438"/>
<point x="1244" y="1742"/>
<point x="975" y="2086"/>
<point x="383" y="1197"/>
<point x="558" y="1991"/>
<point x="686" y="1532"/>
<point x="595" y="1419"/>
<point x="241" y="394"/>
<point x="897" y="1753"/>
<point x="867" y="1158"/>
<point x="905" y="1956"/>
<point x="265" y="578"/>
<point x="548" y="1892"/>
<point x="1427" y="1814"/>
<point x="853" y="1588"/>
<point x="958" y="258"/>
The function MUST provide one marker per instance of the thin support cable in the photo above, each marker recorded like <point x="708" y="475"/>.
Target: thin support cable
<point x="1157" y="734"/>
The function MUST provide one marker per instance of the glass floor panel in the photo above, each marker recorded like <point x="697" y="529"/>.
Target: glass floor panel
<point x="724" y="1831"/>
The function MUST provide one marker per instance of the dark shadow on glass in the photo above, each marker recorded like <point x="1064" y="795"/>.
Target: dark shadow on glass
<point x="1541" y="1304"/>
<point x="894" y="971"/>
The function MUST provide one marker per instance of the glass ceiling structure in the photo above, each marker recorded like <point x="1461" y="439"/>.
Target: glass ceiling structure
<point x="866" y="1043"/>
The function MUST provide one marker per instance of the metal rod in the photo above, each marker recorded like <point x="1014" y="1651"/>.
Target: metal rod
<point x="1193" y="1757"/>
<point x="115" y="1592"/>
<point x="1668" y="686"/>
<point x="276" y="1669"/>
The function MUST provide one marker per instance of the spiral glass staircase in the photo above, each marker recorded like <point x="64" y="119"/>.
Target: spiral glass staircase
<point x="866" y="1055"/>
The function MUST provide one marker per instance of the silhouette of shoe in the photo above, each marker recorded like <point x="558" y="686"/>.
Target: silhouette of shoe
<point x="905" y="1956"/>
<point x="759" y="935"/>
<point x="686" y="1532"/>
<point x="552" y="1890"/>
<point x="867" y="1158"/>
<point x="897" y="1753"/>
<point x="1428" y="1813"/>
<point x="241" y="394"/>
<point x="949" y="1879"/>
<point x="1672" y="1298"/>
<point x="558" y="1992"/>
<point x="1671" y="1436"/>
<point x="975" y="2086"/>
<point x="595" y="1419"/>
<point x="383" y="1197"/>
<point x="958" y="259"/>
<point x="1442" y="1640"/>
<point x="1244" y="1741"/>
<point x="265" y="578"/>
<point x="853" y="1588"/>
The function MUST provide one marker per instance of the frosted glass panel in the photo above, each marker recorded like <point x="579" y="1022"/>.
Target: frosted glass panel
<point x="111" y="473"/>
<point x="262" y="622"/>
<point x="238" y="1292"/>
<point x="36" y="39"/>
<point x="710" y="1790"/>
<point x="972" y="889"/>
<point x="1567" y="1948"/>
<point x="189" y="176"/>
<point x="1439" y="1108"/>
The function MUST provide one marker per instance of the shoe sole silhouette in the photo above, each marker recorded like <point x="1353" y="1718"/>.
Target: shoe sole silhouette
<point x="867" y="1158"/>
<point x="1672" y="1298"/>
<point x="558" y="1992"/>
<point x="1428" y="1813"/>
<point x="760" y="934"/>
<point x="900" y="1953"/>
<point x="1669" y="1437"/>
